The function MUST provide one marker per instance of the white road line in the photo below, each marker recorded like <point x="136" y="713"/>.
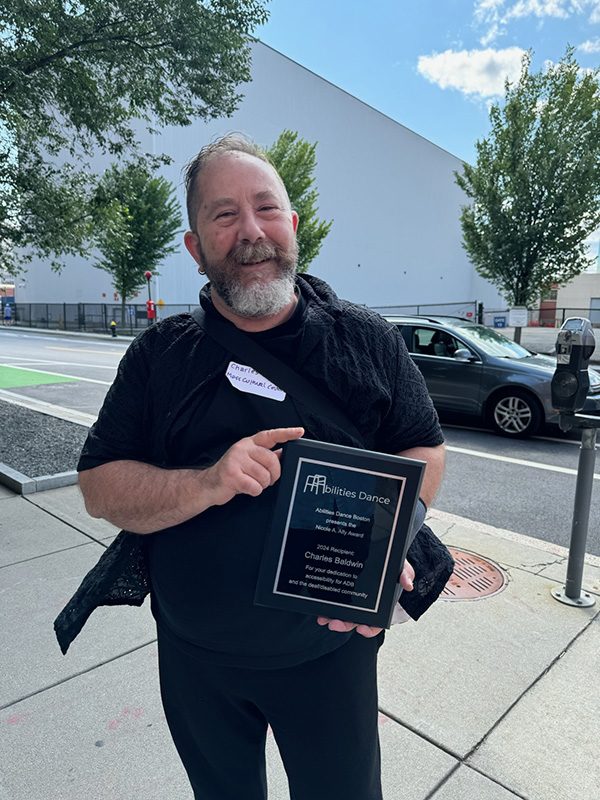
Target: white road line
<point x="93" y="352"/>
<point x="32" y="361"/>
<point x="533" y="438"/>
<point x="61" y="375"/>
<point x="520" y="461"/>
<point x="52" y="410"/>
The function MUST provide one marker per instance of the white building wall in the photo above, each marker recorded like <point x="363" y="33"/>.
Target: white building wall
<point x="579" y="295"/>
<point x="396" y="235"/>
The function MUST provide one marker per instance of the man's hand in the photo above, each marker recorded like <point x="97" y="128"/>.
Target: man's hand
<point x="142" y="498"/>
<point x="249" y="466"/>
<point x="407" y="577"/>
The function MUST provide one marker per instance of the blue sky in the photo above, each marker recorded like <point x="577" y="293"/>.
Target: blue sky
<point x="433" y="65"/>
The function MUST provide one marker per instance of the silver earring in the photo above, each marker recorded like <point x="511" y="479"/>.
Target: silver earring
<point x="201" y="271"/>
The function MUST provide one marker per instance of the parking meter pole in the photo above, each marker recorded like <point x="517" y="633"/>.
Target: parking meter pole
<point x="581" y="514"/>
<point x="571" y="593"/>
<point x="575" y="345"/>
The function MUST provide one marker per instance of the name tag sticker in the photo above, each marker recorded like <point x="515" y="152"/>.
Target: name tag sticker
<point x="250" y="381"/>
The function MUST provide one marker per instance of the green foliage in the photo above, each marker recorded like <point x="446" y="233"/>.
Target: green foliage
<point x="73" y="78"/>
<point x="295" y="160"/>
<point x="137" y="218"/>
<point x="535" y="188"/>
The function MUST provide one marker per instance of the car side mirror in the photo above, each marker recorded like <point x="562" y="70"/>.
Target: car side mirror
<point x="462" y="354"/>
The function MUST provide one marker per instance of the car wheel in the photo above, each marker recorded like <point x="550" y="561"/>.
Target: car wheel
<point x="515" y="412"/>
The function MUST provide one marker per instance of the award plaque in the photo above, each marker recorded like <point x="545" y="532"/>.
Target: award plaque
<point x="340" y="532"/>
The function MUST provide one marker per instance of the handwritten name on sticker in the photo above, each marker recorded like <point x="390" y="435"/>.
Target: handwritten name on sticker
<point x="249" y="380"/>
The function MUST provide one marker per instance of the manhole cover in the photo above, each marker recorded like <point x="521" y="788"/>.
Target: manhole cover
<point x="473" y="577"/>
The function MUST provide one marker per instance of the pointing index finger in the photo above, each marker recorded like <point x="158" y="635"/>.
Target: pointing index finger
<point x="275" y="436"/>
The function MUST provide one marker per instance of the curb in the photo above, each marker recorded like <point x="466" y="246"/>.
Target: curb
<point x="23" y="484"/>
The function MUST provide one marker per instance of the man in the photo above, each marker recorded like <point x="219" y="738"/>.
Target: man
<point x="181" y="453"/>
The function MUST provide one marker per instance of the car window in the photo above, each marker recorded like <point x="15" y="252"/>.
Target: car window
<point x="494" y="343"/>
<point x="434" y="342"/>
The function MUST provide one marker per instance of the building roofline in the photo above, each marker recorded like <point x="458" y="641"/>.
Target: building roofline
<point x="358" y="100"/>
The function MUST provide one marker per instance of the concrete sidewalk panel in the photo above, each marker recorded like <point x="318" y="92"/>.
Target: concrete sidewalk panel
<point x="33" y="593"/>
<point x="99" y="735"/>
<point x="411" y="766"/>
<point x="466" y="784"/>
<point x="590" y="581"/>
<point x="103" y="734"/>
<point x="454" y="673"/>
<point x="26" y="532"/>
<point x="548" y="746"/>
<point x="67" y="503"/>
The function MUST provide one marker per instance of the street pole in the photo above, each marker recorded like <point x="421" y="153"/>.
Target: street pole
<point x="148" y="276"/>
<point x="571" y="594"/>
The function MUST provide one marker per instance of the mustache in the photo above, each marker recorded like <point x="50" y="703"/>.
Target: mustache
<point x="252" y="253"/>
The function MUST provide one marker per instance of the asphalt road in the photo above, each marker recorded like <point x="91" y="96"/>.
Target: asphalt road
<point x="93" y="362"/>
<point x="527" y="486"/>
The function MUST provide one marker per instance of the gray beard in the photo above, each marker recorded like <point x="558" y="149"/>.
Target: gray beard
<point x="259" y="298"/>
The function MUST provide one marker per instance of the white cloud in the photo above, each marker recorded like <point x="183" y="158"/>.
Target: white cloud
<point x="494" y="15"/>
<point x="595" y="12"/>
<point x="542" y="8"/>
<point x="479" y="73"/>
<point x="492" y="34"/>
<point x="590" y="46"/>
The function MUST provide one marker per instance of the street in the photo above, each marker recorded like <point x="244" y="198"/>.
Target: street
<point x="526" y="486"/>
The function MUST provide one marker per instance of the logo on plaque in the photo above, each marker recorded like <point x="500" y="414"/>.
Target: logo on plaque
<point x="314" y="483"/>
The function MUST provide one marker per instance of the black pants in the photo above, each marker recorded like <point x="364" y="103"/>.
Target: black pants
<point x="323" y="714"/>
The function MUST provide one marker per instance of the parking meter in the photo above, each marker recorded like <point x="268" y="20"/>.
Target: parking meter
<point x="574" y="347"/>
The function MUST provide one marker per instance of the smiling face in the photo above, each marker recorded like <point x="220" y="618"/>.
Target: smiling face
<point x="245" y="235"/>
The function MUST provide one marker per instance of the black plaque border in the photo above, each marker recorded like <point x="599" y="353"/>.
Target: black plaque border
<point x="410" y="471"/>
<point x="303" y="460"/>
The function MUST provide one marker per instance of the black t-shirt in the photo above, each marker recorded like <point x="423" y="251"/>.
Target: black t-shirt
<point x="203" y="572"/>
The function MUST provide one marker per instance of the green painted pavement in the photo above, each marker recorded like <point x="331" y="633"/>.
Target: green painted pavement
<point x="12" y="377"/>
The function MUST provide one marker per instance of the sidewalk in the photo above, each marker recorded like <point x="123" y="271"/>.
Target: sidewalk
<point x="491" y="699"/>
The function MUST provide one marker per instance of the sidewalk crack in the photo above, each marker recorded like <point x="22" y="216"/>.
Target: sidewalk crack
<point x="528" y="689"/>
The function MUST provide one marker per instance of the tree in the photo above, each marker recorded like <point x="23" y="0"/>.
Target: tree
<point x="295" y="160"/>
<point x="535" y="188"/>
<point x="73" y="78"/>
<point x="137" y="217"/>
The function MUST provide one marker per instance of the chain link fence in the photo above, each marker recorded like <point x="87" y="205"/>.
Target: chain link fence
<point x="132" y="318"/>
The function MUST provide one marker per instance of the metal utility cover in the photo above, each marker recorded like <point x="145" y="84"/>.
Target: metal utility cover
<point x="474" y="577"/>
